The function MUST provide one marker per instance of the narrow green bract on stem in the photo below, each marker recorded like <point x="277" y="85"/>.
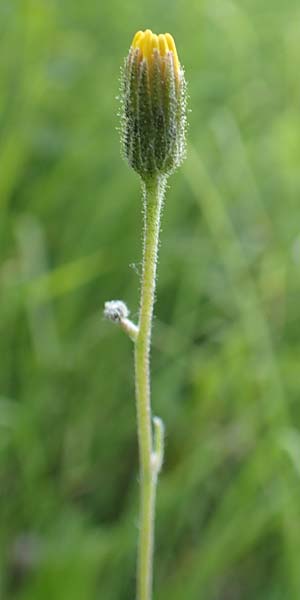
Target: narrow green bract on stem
<point x="153" y="142"/>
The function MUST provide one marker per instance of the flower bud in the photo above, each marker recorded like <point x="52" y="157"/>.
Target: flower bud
<point x="115" y="310"/>
<point x="153" y="105"/>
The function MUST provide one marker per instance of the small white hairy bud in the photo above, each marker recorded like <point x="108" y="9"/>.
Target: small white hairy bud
<point x="115" y="310"/>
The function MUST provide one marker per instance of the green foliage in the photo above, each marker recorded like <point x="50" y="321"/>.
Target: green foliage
<point x="226" y="348"/>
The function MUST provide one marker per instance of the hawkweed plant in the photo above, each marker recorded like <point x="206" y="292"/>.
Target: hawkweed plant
<point x="153" y="124"/>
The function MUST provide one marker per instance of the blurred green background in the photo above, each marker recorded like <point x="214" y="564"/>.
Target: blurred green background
<point x="226" y="346"/>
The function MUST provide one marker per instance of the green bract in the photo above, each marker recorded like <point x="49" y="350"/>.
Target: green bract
<point x="153" y="112"/>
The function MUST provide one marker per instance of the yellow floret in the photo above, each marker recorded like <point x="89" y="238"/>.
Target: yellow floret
<point x="147" y="41"/>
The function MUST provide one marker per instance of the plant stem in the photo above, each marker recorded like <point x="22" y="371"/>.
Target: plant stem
<point x="153" y="199"/>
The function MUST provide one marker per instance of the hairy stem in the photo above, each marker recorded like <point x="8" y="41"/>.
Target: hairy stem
<point x="153" y="199"/>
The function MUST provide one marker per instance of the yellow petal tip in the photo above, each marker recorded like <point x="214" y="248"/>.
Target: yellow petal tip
<point x="147" y="41"/>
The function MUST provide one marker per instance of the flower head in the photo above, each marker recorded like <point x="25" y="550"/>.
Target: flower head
<point x="154" y="105"/>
